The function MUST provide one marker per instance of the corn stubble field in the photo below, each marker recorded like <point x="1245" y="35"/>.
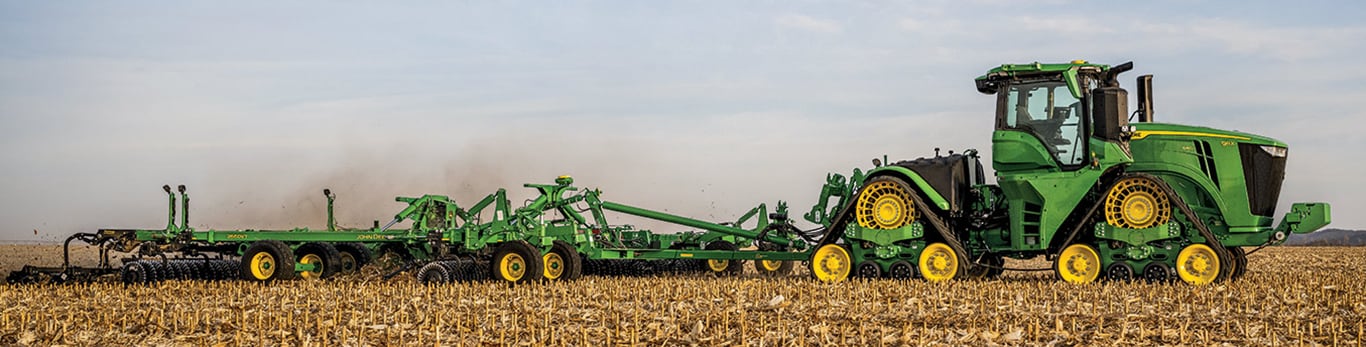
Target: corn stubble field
<point x="1291" y="296"/>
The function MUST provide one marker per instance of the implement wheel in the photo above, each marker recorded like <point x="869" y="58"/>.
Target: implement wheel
<point x="1137" y="203"/>
<point x="884" y="203"/>
<point x="1197" y="264"/>
<point x="353" y="256"/>
<point x="1078" y="263"/>
<point x="562" y="262"/>
<point x="773" y="268"/>
<point x="268" y="261"/>
<point x="831" y="263"/>
<point x="724" y="266"/>
<point x="517" y="262"/>
<point x="324" y="257"/>
<point x="938" y="263"/>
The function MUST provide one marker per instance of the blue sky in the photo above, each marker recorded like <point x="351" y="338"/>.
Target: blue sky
<point x="701" y="108"/>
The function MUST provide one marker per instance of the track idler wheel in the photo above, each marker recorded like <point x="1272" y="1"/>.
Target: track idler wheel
<point x="324" y="257"/>
<point x="1137" y="203"/>
<point x="1119" y="272"/>
<point x="726" y="267"/>
<point x="268" y="261"/>
<point x="517" y="262"/>
<point x="939" y="263"/>
<point x="1078" y="263"/>
<point x="831" y="263"/>
<point x="1198" y="264"/>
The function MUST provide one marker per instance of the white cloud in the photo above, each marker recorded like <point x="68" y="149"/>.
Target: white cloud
<point x="808" y="23"/>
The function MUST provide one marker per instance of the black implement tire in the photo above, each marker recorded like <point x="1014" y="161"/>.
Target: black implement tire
<point x="267" y="261"/>
<point x="354" y="255"/>
<point x="516" y="262"/>
<point x="767" y="268"/>
<point x="320" y="254"/>
<point x="434" y="273"/>
<point x="725" y="267"/>
<point x="569" y="259"/>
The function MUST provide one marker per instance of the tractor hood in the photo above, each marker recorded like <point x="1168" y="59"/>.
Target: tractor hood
<point x="1144" y="130"/>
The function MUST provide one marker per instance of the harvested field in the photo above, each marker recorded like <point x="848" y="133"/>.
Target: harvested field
<point x="1290" y="296"/>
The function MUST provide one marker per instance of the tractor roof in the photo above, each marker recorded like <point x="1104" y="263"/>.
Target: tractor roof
<point x="1037" y="67"/>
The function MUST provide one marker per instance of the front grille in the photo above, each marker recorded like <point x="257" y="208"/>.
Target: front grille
<point x="1264" y="174"/>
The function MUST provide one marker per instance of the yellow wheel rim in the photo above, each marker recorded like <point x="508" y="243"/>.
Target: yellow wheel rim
<point x="718" y="265"/>
<point x="512" y="267"/>
<point x="1136" y="203"/>
<point x="1078" y="263"/>
<point x="884" y="205"/>
<point x="554" y="265"/>
<point x="938" y="263"/>
<point x="317" y="262"/>
<point x="1197" y="264"/>
<point x="771" y="265"/>
<point x="831" y="263"/>
<point x="262" y="266"/>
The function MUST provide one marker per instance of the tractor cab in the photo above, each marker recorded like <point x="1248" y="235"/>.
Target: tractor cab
<point x="1048" y="114"/>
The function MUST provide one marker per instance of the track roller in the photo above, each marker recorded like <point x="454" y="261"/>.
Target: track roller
<point x="868" y="269"/>
<point x="1119" y="272"/>
<point x="1158" y="272"/>
<point x="901" y="270"/>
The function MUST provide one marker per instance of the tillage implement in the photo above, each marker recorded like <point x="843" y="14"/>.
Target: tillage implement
<point x="1075" y="183"/>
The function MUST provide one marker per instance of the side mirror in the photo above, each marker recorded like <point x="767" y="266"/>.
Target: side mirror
<point x="1145" y="98"/>
<point x="1110" y="113"/>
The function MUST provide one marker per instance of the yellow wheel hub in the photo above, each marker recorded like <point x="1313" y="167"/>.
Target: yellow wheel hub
<point x="554" y="265"/>
<point x="1078" y="263"/>
<point x="1197" y="264"/>
<point x="938" y="263"/>
<point x="771" y="265"/>
<point x="512" y="267"/>
<point x="718" y="265"/>
<point x="884" y="204"/>
<point x="831" y="263"/>
<point x="262" y="266"/>
<point x="1136" y="203"/>
<point x="316" y="261"/>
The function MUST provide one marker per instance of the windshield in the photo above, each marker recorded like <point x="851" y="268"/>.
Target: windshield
<point x="1049" y="111"/>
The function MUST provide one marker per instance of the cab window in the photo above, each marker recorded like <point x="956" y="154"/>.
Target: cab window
<point x="1047" y="110"/>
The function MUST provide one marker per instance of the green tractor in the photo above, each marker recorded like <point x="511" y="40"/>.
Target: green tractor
<point x="1076" y="183"/>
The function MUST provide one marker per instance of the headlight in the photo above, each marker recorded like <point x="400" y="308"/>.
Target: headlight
<point x="1276" y="152"/>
